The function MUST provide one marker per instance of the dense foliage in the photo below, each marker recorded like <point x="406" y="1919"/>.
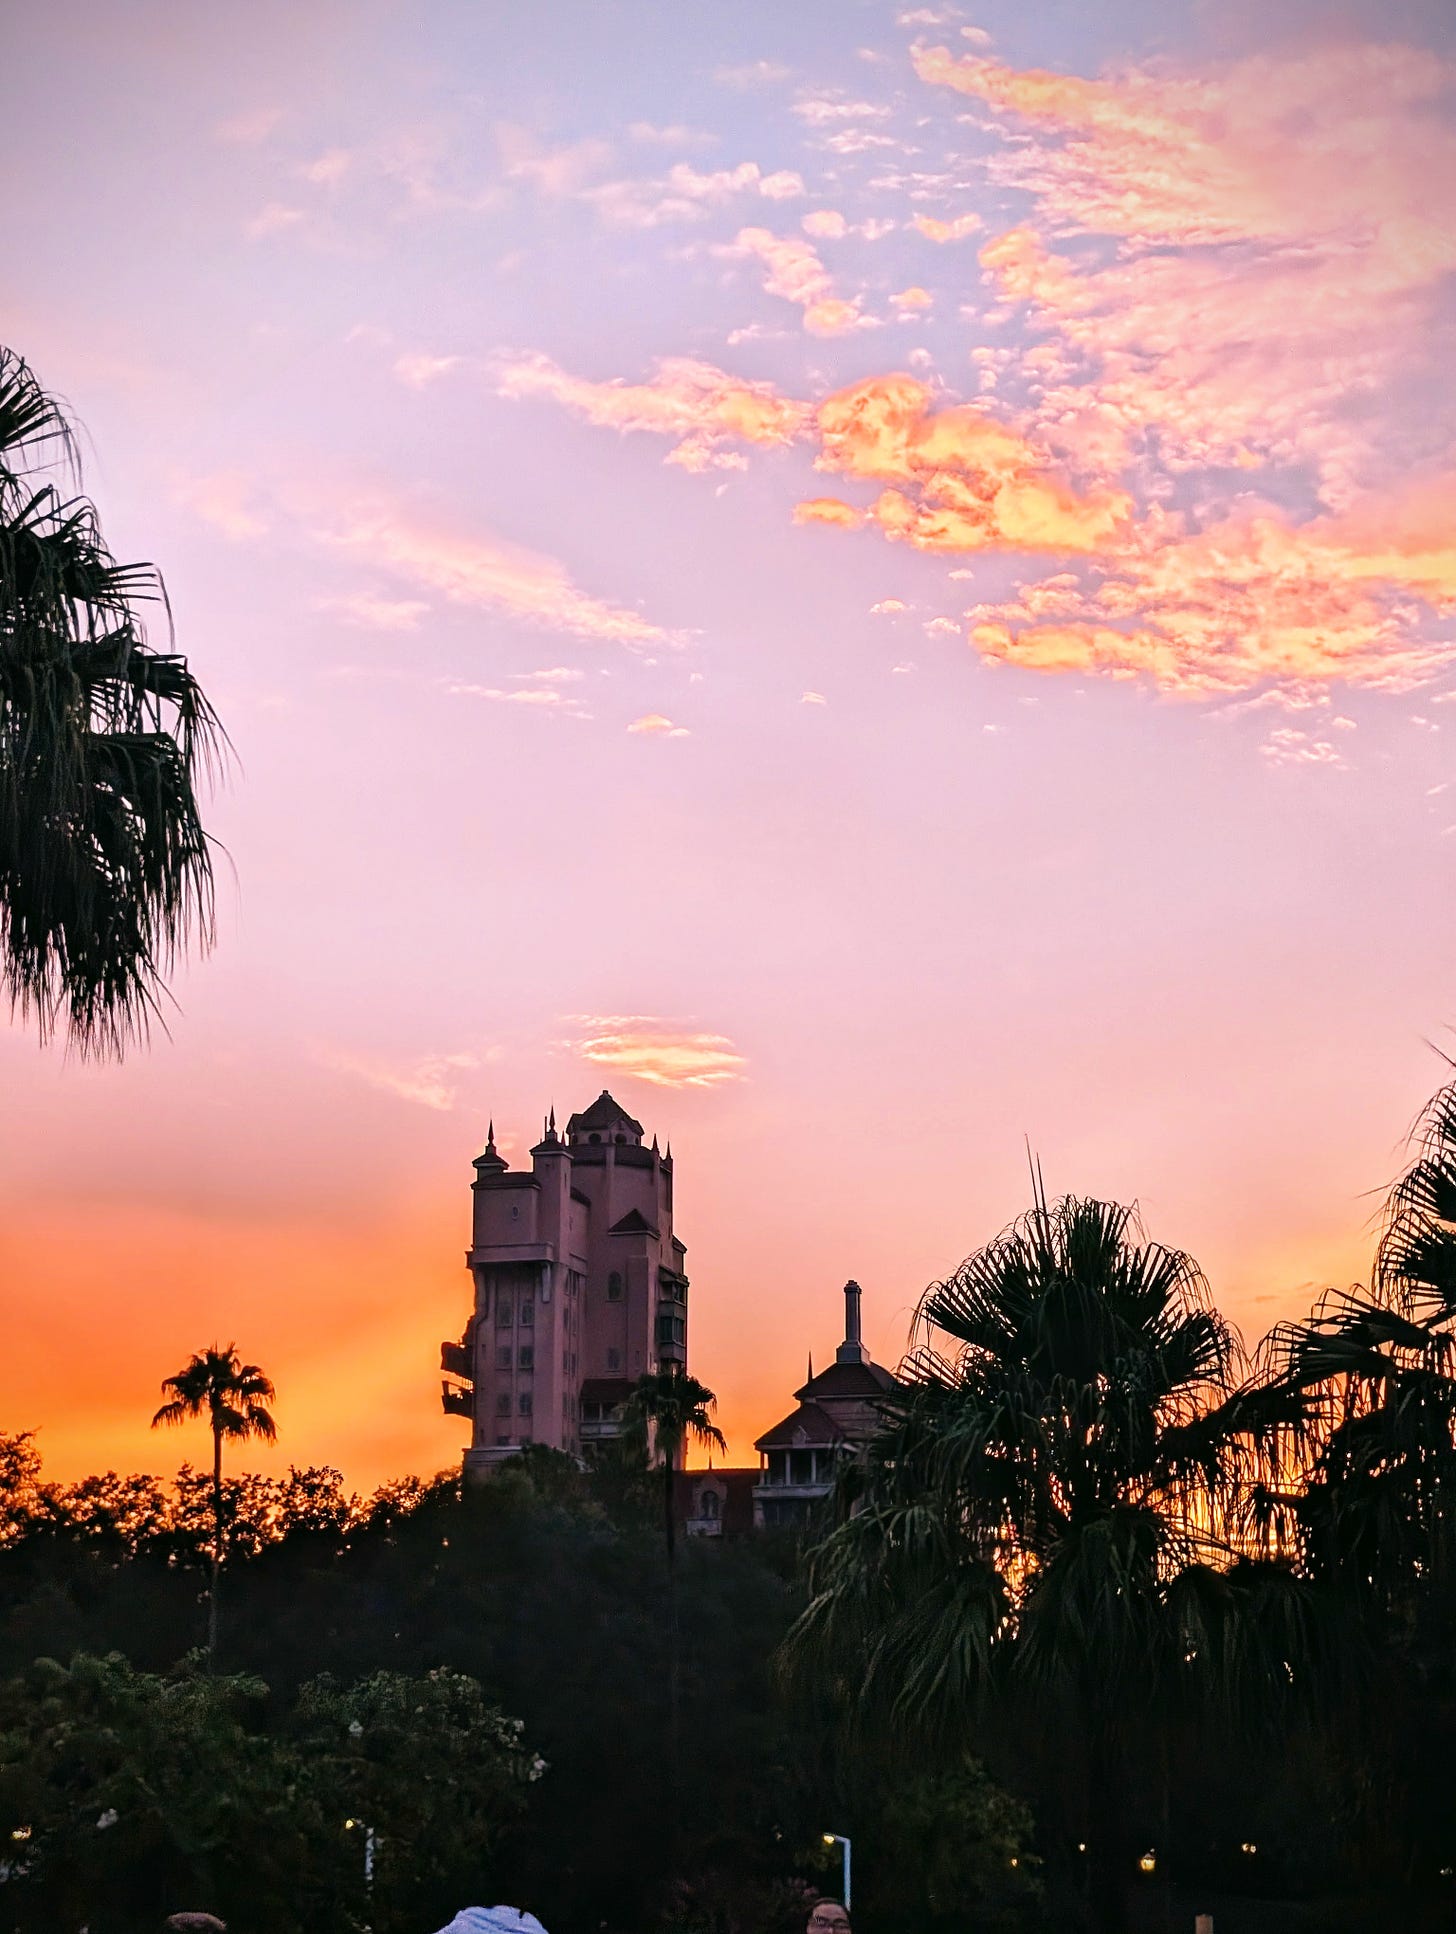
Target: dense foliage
<point x="1109" y="1625"/>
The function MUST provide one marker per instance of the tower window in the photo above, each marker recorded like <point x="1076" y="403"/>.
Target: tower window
<point x="503" y="1313"/>
<point x="503" y="1404"/>
<point x="503" y="1357"/>
<point x="614" y="1359"/>
<point x="523" y="1403"/>
<point x="527" y="1356"/>
<point x="528" y="1310"/>
<point x="614" y="1287"/>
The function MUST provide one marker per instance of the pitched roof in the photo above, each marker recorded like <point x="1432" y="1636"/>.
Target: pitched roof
<point x="848" y="1380"/>
<point x="603" y="1113"/>
<point x="633" y="1223"/>
<point x="817" y="1425"/>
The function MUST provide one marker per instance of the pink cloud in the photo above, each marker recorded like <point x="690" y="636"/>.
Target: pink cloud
<point x="474" y="567"/>
<point x="663" y="1053"/>
<point x="1276" y="246"/>
<point x="795" y="273"/>
<point x="653" y="725"/>
<point x="935" y="230"/>
<point x="705" y="410"/>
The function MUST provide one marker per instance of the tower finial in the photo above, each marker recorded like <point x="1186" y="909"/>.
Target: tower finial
<point x="552" y="1123"/>
<point x="490" y="1134"/>
<point x="851" y="1350"/>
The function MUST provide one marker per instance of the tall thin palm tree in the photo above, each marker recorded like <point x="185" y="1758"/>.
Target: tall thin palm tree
<point x="675" y="1410"/>
<point x="234" y="1397"/>
<point x="105" y="868"/>
<point x="671" y="1410"/>
<point x="1042" y="1530"/>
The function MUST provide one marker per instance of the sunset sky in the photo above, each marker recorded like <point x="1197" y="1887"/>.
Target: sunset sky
<point x="880" y="581"/>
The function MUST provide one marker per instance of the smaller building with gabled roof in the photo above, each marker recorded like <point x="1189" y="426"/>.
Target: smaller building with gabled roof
<point x="837" y="1413"/>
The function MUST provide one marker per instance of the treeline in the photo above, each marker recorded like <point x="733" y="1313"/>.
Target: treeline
<point x="543" y="1598"/>
<point x="1112" y="1623"/>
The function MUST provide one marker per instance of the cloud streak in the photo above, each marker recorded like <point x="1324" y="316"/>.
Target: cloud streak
<point x="664" y="1053"/>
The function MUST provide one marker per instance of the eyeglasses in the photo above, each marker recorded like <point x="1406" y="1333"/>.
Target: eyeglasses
<point x="828" y="1920"/>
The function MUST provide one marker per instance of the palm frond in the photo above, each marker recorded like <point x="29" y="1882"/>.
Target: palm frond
<point x="106" y="872"/>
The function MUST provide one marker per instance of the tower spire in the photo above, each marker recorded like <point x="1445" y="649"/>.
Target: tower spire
<point x="851" y="1350"/>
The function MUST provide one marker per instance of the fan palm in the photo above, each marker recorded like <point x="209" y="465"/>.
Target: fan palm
<point x="105" y="869"/>
<point x="1044" y="1521"/>
<point x="1370" y="1504"/>
<point x="234" y="1397"/>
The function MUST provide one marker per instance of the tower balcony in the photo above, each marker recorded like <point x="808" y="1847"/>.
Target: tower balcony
<point x="456" y="1402"/>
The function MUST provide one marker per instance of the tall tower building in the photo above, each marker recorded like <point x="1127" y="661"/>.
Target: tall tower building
<point x="579" y="1287"/>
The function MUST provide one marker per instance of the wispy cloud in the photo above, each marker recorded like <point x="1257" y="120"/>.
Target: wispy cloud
<point x="250" y="128"/>
<point x="374" y="613"/>
<point x="273" y="219"/>
<point x="653" y="725"/>
<point x="703" y="408"/>
<point x="665" y="1053"/>
<point x="470" y="566"/>
<point x="427" y="1083"/>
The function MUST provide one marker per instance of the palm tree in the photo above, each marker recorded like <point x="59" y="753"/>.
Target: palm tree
<point x="105" y="869"/>
<point x="675" y="1410"/>
<point x="1044" y="1526"/>
<point x="234" y="1396"/>
<point x="1367" y="1501"/>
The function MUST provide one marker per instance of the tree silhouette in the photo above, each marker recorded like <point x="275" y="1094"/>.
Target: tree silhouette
<point x="234" y="1397"/>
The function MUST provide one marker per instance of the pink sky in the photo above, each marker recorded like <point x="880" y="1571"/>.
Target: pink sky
<point x="880" y="581"/>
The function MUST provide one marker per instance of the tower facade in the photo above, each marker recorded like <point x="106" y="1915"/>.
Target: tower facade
<point x="579" y="1287"/>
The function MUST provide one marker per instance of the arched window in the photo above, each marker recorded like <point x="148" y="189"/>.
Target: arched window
<point x="709" y="1505"/>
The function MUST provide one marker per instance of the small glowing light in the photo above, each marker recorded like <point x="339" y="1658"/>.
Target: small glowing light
<point x="1081" y="1846"/>
<point x="1149" y="1862"/>
<point x="1014" y="1861"/>
<point x="349" y="1825"/>
<point x="829" y="1839"/>
<point x="1247" y="1846"/>
<point x="1446" y="1872"/>
<point x="20" y="1833"/>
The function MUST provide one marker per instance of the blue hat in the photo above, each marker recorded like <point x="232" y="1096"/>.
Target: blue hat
<point x="493" y="1920"/>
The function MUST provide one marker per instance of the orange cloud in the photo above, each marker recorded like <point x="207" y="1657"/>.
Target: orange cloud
<point x="970" y="482"/>
<point x="702" y="407"/>
<point x="1251" y="600"/>
<point x="656" y="1051"/>
<point x="653" y="725"/>
<point x="828" y="510"/>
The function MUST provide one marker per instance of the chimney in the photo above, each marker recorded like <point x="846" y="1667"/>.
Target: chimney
<point x="851" y="1350"/>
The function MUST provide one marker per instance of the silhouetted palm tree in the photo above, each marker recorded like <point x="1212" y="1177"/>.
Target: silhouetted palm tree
<point x="234" y="1397"/>
<point x="1045" y="1521"/>
<point x="1368" y="1500"/>
<point x="676" y="1410"/>
<point x="105" y="869"/>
